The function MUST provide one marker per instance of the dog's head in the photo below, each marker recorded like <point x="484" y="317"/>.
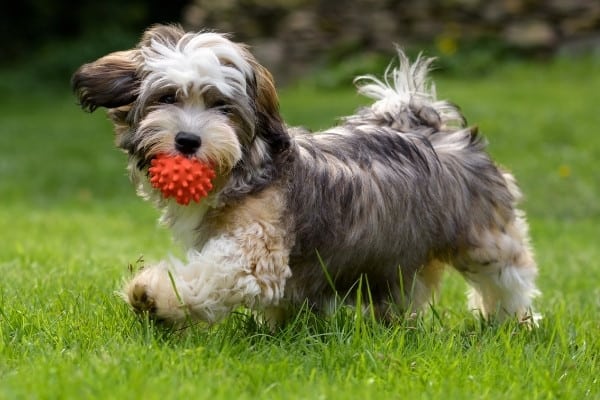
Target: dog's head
<point x="198" y="94"/>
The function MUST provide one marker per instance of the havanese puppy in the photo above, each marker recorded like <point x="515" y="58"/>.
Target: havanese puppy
<point x="388" y="197"/>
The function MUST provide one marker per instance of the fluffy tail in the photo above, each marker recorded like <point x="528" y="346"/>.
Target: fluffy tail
<point x="406" y="98"/>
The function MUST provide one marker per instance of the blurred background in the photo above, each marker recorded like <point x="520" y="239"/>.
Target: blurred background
<point x="49" y="39"/>
<point x="525" y="71"/>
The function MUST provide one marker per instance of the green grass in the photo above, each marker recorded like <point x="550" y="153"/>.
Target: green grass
<point x="71" y="225"/>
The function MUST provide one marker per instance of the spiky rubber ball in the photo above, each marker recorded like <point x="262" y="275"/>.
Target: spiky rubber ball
<point x="185" y="179"/>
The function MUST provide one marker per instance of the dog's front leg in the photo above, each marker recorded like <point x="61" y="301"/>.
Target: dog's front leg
<point x="248" y="266"/>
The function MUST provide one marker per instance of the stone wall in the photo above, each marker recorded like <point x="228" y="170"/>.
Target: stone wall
<point x="290" y="35"/>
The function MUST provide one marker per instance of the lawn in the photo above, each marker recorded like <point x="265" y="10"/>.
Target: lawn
<point x="72" y="229"/>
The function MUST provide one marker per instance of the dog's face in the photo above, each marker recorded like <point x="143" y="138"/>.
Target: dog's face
<point x="198" y="94"/>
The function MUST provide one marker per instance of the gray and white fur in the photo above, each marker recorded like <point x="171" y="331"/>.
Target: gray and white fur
<point x="391" y="195"/>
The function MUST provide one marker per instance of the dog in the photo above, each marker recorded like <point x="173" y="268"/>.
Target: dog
<point x="380" y="203"/>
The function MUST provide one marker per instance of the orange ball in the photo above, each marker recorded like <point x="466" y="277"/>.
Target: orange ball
<point x="183" y="178"/>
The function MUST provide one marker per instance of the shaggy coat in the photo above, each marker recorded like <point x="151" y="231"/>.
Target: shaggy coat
<point x="390" y="196"/>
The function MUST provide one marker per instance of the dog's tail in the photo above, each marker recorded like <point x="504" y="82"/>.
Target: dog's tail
<point x="406" y="98"/>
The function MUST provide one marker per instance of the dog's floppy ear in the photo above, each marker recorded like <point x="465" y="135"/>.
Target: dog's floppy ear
<point x="110" y="81"/>
<point x="269" y="122"/>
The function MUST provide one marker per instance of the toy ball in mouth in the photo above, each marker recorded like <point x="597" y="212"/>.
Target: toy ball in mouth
<point x="185" y="179"/>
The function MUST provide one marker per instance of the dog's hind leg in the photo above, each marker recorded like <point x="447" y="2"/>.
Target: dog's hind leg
<point x="407" y="294"/>
<point x="501" y="270"/>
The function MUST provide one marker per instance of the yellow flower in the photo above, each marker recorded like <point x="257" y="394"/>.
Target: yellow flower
<point x="446" y="45"/>
<point x="564" y="171"/>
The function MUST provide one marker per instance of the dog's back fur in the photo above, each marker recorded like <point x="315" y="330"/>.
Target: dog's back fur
<point x="405" y="185"/>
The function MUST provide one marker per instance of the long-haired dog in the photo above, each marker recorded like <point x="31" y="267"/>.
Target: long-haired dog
<point x="389" y="196"/>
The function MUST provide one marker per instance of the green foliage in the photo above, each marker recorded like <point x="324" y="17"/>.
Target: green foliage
<point x="72" y="226"/>
<point x="340" y="74"/>
<point x="465" y="58"/>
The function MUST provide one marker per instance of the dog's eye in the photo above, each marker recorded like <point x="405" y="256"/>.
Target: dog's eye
<point x="168" y="99"/>
<point x="219" y="104"/>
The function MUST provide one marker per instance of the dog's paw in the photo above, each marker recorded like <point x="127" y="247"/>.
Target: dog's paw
<point x="152" y="291"/>
<point x="139" y="300"/>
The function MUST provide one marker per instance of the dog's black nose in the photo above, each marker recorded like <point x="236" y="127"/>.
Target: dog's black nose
<point x="187" y="143"/>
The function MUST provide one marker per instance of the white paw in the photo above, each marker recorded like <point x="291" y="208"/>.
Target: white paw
<point x="152" y="291"/>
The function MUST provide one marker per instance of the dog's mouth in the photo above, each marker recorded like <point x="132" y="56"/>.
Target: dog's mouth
<point x="144" y="162"/>
<point x="185" y="146"/>
<point x="186" y="179"/>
